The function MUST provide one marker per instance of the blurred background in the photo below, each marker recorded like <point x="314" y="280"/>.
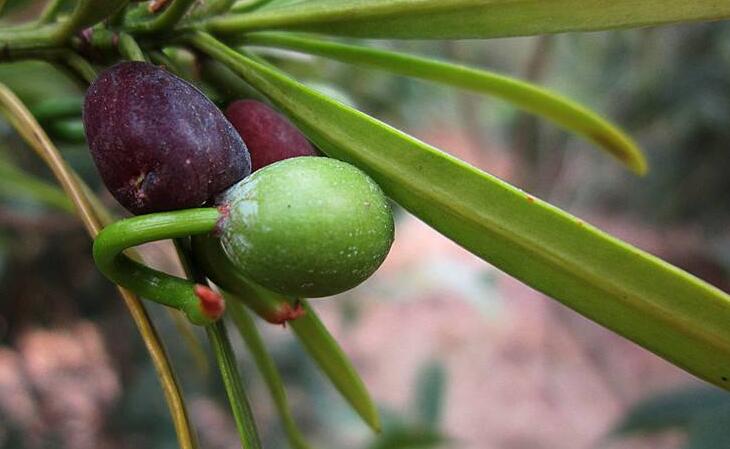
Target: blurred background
<point x="456" y="354"/>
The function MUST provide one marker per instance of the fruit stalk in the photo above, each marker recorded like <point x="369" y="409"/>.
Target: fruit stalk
<point x="200" y="304"/>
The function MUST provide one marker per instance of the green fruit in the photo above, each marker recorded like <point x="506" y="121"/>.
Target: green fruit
<point x="307" y="226"/>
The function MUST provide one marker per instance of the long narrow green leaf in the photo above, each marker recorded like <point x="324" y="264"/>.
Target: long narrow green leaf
<point x="224" y="356"/>
<point x="265" y="363"/>
<point x="643" y="298"/>
<point x="464" y="19"/>
<point x="234" y="387"/>
<point x="572" y="116"/>
<point x="58" y="108"/>
<point x="16" y="183"/>
<point x="325" y="350"/>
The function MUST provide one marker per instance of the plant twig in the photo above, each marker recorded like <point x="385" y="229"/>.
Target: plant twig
<point x="78" y="66"/>
<point x="129" y="48"/>
<point x="165" y="21"/>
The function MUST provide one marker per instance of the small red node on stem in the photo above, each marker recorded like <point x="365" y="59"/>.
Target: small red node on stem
<point x="211" y="302"/>
<point x="286" y="313"/>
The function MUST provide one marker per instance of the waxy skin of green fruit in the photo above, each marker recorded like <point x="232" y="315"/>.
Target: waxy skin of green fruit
<point x="307" y="226"/>
<point x="157" y="141"/>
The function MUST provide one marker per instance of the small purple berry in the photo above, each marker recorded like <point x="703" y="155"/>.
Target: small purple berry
<point x="157" y="141"/>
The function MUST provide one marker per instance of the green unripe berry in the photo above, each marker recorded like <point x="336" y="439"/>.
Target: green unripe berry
<point x="307" y="226"/>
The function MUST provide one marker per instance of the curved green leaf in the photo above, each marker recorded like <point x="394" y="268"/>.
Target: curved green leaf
<point x="465" y="19"/>
<point x="643" y="298"/>
<point x="524" y="95"/>
<point x="265" y="363"/>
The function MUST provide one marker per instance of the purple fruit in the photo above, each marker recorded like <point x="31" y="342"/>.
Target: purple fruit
<point x="269" y="135"/>
<point x="158" y="142"/>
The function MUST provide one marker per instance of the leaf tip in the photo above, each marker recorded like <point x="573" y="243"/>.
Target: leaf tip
<point x="623" y="148"/>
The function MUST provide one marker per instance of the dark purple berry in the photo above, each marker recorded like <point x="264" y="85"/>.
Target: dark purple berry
<point x="270" y="137"/>
<point x="158" y="142"/>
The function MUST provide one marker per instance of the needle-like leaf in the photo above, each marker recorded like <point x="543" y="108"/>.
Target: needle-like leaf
<point x="265" y="363"/>
<point x="529" y="97"/>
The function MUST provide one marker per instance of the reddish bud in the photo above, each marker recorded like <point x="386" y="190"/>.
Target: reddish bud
<point x="211" y="303"/>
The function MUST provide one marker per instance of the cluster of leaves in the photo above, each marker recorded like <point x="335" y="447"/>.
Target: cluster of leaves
<point x="631" y="292"/>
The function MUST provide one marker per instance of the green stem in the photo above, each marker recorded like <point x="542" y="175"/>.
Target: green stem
<point x="160" y="58"/>
<point x="234" y="388"/>
<point x="58" y="108"/>
<point x="78" y="66"/>
<point x="18" y="42"/>
<point x="224" y="356"/>
<point x="265" y="363"/>
<point x="70" y="130"/>
<point x="213" y="8"/>
<point x="198" y="302"/>
<point x="248" y="5"/>
<point x="163" y="22"/>
<point x="129" y="48"/>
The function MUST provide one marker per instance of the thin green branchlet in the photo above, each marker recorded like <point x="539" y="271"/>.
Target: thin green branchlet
<point x="200" y="304"/>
